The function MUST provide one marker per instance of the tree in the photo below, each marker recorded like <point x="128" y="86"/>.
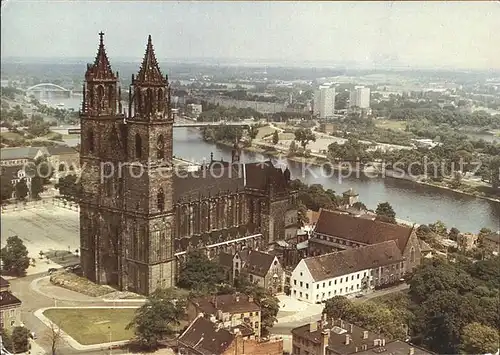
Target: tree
<point x="453" y="235"/>
<point x="54" y="336"/>
<point x="158" y="317"/>
<point x="338" y="307"/>
<point x="252" y="132"/>
<point x="21" y="190"/>
<point x="69" y="186"/>
<point x="6" y="339"/>
<point x="200" y="274"/>
<point x="276" y="137"/>
<point x="6" y="188"/>
<point x="20" y="340"/>
<point x="40" y="174"/>
<point x="479" y="339"/>
<point x="385" y="213"/>
<point x="15" y="256"/>
<point x="439" y="228"/>
<point x="495" y="172"/>
<point x="360" y="206"/>
<point x="302" y="218"/>
<point x="304" y="136"/>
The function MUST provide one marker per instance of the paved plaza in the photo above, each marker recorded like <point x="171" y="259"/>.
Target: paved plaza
<point x="43" y="228"/>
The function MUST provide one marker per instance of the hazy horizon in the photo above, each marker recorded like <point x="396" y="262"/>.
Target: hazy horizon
<point x="441" y="35"/>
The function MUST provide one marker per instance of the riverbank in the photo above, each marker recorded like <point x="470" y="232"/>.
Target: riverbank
<point x="322" y="160"/>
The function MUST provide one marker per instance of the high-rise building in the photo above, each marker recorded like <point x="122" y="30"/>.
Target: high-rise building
<point x="360" y="97"/>
<point x="324" y="101"/>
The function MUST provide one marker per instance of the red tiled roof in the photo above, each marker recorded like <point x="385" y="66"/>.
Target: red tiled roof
<point x="8" y="299"/>
<point x="344" y="262"/>
<point x="226" y="303"/>
<point x="203" y="337"/>
<point x="361" y="230"/>
<point x="259" y="263"/>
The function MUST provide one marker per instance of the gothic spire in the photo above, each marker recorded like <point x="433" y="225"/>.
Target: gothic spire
<point x="101" y="69"/>
<point x="150" y="73"/>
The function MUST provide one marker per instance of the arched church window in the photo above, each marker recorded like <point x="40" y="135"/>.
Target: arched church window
<point x="160" y="99"/>
<point x="100" y="96"/>
<point x="111" y="95"/>
<point x="161" y="200"/>
<point x="90" y="141"/>
<point x="160" y="147"/>
<point x="149" y="101"/>
<point x="138" y="146"/>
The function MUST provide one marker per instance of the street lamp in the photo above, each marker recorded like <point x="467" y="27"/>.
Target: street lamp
<point x="109" y="328"/>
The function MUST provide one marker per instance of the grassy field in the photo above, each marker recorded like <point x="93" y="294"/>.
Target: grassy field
<point x="11" y="135"/>
<point x="396" y="125"/>
<point x="264" y="131"/>
<point x="93" y="325"/>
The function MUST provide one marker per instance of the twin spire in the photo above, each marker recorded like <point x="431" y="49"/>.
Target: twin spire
<point x="149" y="72"/>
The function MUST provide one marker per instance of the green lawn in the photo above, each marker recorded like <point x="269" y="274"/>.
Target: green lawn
<point x="396" y="125"/>
<point x="11" y="135"/>
<point x="93" y="325"/>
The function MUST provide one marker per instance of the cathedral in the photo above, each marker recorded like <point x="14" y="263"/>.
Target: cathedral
<point x="138" y="216"/>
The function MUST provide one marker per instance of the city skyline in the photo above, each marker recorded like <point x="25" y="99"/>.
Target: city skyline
<point x="413" y="35"/>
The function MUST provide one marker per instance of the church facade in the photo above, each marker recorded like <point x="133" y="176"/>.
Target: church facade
<point x="139" y="216"/>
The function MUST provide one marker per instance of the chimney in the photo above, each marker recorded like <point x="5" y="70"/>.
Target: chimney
<point x="214" y="301"/>
<point x="365" y="334"/>
<point x="325" y="338"/>
<point x="411" y="351"/>
<point x="383" y="342"/>
<point x="341" y="324"/>
<point x="356" y="350"/>
<point x="250" y="299"/>
<point x="347" y="339"/>
<point x="313" y="326"/>
<point x="237" y="298"/>
<point x="364" y="346"/>
<point x="350" y="328"/>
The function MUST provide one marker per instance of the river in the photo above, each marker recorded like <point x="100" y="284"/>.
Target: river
<point x="411" y="201"/>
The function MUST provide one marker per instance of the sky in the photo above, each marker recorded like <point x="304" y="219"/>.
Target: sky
<point x="463" y="35"/>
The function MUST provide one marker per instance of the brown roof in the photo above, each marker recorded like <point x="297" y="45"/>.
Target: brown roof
<point x="4" y="283"/>
<point x="203" y="337"/>
<point x="231" y="303"/>
<point x="331" y="265"/>
<point x="361" y="230"/>
<point x="337" y="331"/>
<point x="8" y="299"/>
<point x="261" y="175"/>
<point x="494" y="237"/>
<point x="206" y="182"/>
<point x="396" y="347"/>
<point x="61" y="150"/>
<point x="259" y="263"/>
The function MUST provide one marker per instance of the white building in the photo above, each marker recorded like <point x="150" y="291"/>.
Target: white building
<point x="194" y="110"/>
<point x="360" y="97"/>
<point x="324" y="101"/>
<point x="343" y="273"/>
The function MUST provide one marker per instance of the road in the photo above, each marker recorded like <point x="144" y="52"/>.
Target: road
<point x="32" y="301"/>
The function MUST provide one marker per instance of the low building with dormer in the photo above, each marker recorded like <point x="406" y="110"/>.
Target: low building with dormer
<point x="203" y="337"/>
<point x="337" y="231"/>
<point x="348" y="272"/>
<point x="229" y="311"/>
<point x="262" y="269"/>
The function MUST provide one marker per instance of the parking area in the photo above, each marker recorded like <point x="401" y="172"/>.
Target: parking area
<point x="51" y="229"/>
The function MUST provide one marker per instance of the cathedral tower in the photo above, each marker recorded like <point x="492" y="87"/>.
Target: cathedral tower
<point x="101" y="149"/>
<point x="148" y="178"/>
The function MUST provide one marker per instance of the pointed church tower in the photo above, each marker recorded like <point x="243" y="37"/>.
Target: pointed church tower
<point x="101" y="146"/>
<point x="148" y="180"/>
